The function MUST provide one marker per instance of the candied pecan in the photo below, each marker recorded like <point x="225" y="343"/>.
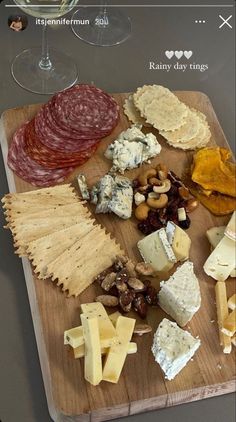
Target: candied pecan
<point x="136" y="284"/>
<point x="107" y="300"/>
<point x="118" y="265"/>
<point x="144" y="268"/>
<point x="140" y="305"/>
<point x="151" y="296"/>
<point x="121" y="280"/>
<point x="109" y="281"/>
<point x="130" y="268"/>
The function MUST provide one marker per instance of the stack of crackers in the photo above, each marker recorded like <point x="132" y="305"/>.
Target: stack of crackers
<point x="181" y="126"/>
<point x="53" y="228"/>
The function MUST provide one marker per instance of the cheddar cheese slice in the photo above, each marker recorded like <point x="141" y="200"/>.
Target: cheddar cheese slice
<point x="229" y="324"/>
<point x="116" y="356"/>
<point x="80" y="351"/>
<point x="93" y="357"/>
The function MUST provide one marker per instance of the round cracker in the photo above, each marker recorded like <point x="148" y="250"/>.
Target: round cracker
<point x="132" y="112"/>
<point x="147" y="93"/>
<point x="187" y="131"/>
<point x="200" y="140"/>
<point x="166" y="113"/>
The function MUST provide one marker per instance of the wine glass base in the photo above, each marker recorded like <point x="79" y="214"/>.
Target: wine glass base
<point x="27" y="73"/>
<point x="106" y="33"/>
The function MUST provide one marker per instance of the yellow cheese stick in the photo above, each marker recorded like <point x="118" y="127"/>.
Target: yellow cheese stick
<point x="222" y="313"/>
<point x="229" y="324"/>
<point x="79" y="351"/>
<point x="232" y="302"/>
<point x="93" y="357"/>
<point x="107" y="330"/>
<point x="116" y="356"/>
<point x="233" y="340"/>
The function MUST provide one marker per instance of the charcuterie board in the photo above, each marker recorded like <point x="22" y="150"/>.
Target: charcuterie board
<point x="142" y="386"/>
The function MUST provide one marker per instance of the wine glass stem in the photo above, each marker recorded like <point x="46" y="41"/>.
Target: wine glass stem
<point x="45" y="62"/>
<point x="102" y="19"/>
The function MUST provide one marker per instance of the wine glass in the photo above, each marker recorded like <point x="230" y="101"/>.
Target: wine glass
<point x="38" y="69"/>
<point x="107" y="26"/>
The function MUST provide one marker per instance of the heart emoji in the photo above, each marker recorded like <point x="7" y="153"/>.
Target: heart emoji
<point x="179" y="54"/>
<point x="169" y="54"/>
<point x="188" y="54"/>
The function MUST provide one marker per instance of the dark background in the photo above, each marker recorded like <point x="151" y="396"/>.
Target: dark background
<point x="115" y="69"/>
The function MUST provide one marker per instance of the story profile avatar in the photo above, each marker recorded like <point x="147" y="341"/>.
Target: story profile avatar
<point x="17" y="22"/>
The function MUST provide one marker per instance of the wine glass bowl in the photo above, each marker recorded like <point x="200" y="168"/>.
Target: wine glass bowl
<point x="38" y="69"/>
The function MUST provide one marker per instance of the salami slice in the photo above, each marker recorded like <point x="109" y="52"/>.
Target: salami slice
<point x="50" y="158"/>
<point x="57" y="139"/>
<point x="28" y="169"/>
<point x="85" y="109"/>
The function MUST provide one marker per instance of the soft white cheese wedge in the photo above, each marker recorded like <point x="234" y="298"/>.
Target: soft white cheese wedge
<point x="222" y="261"/>
<point x="180" y="295"/>
<point x="156" y="250"/>
<point x="131" y="149"/>
<point x="215" y="235"/>
<point x="173" y="347"/>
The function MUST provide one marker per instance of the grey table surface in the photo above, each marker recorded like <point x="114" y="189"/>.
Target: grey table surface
<point x="117" y="69"/>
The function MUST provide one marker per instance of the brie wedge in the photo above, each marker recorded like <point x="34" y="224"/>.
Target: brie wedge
<point x="215" y="235"/>
<point x="173" y="348"/>
<point x="180" y="295"/>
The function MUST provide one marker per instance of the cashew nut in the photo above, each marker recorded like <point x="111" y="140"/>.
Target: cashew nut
<point x="141" y="212"/>
<point x="153" y="195"/>
<point x="143" y="178"/>
<point x="162" y="171"/>
<point x="164" y="187"/>
<point x="139" y="198"/>
<point x="161" y="202"/>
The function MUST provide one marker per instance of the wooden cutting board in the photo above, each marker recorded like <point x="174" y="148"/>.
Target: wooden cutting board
<point x="142" y="385"/>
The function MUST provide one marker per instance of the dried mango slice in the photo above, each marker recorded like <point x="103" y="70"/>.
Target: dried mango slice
<point x="217" y="203"/>
<point x="212" y="171"/>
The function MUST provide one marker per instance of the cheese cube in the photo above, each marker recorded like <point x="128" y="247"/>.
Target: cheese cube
<point x="93" y="357"/>
<point x="180" y="295"/>
<point x="156" y="250"/>
<point x="107" y="331"/>
<point x="173" y="348"/>
<point x="74" y="337"/>
<point x="116" y="356"/>
<point x="179" y="241"/>
<point x="222" y="260"/>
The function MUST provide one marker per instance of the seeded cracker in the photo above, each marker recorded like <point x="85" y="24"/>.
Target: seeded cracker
<point x="166" y="113"/>
<point x="76" y="268"/>
<point x="46" y="249"/>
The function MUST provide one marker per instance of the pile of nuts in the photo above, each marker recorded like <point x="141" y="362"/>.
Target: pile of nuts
<point x="124" y="281"/>
<point x="160" y="196"/>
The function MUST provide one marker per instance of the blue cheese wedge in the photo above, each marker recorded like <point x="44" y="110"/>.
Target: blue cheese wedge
<point x="83" y="187"/>
<point x="156" y="250"/>
<point x="122" y="198"/>
<point x="179" y="241"/>
<point x="180" y="295"/>
<point x="113" y="194"/>
<point x="131" y="149"/>
<point x="173" y="348"/>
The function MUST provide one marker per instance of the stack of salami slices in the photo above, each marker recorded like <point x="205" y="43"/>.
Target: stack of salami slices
<point x="63" y="135"/>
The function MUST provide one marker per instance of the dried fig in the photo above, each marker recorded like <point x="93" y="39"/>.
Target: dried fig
<point x="140" y="305"/>
<point x="126" y="298"/>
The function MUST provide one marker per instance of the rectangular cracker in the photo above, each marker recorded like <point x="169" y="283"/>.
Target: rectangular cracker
<point x="76" y="268"/>
<point x="46" y="249"/>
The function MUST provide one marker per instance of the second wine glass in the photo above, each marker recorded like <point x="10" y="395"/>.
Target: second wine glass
<point x="108" y="25"/>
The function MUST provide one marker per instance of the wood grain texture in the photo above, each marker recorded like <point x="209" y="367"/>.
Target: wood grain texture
<point x="142" y="385"/>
